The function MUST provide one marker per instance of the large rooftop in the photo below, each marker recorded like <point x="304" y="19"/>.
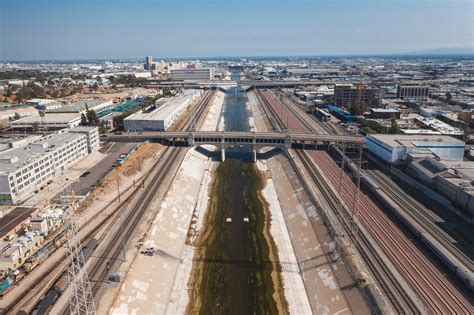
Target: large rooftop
<point x="401" y="140"/>
<point x="166" y="107"/>
<point x="77" y="106"/>
<point x="12" y="159"/>
<point x="49" y="118"/>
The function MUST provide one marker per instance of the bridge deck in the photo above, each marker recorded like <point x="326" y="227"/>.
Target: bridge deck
<point x="228" y="136"/>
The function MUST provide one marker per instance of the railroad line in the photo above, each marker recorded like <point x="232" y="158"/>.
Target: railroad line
<point x="28" y="299"/>
<point x="436" y="291"/>
<point x="396" y="294"/>
<point x="419" y="213"/>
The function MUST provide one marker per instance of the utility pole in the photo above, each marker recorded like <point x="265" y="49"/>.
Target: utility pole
<point x="355" y="200"/>
<point x="81" y="300"/>
<point x="118" y="190"/>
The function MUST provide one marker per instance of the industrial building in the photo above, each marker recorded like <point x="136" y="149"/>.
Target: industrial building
<point x="452" y="180"/>
<point x="438" y="125"/>
<point x="384" y="113"/>
<point x="397" y="149"/>
<point x="345" y="94"/>
<point x="162" y="117"/>
<point x="26" y="168"/>
<point x="82" y="106"/>
<point x="10" y="112"/>
<point x="50" y="121"/>
<point x="44" y="104"/>
<point x="412" y="91"/>
<point x="192" y="74"/>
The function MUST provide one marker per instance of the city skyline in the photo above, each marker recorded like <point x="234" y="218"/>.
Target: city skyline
<point x="57" y="30"/>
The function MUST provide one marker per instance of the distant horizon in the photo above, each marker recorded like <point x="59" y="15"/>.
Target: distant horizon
<point x="422" y="54"/>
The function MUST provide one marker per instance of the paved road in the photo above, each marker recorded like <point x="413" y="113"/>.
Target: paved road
<point x="98" y="171"/>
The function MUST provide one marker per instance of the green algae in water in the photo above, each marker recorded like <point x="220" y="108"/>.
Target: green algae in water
<point x="234" y="270"/>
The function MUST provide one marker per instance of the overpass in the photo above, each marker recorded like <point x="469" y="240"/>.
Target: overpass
<point x="249" y="83"/>
<point x="224" y="139"/>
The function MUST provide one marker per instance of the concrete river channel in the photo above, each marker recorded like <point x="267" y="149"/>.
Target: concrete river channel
<point x="236" y="268"/>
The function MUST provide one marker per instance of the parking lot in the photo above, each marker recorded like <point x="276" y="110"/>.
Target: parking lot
<point x="90" y="177"/>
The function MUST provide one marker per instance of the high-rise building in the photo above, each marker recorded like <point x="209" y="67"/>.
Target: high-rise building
<point x="412" y="91"/>
<point x="148" y="62"/>
<point x="345" y="94"/>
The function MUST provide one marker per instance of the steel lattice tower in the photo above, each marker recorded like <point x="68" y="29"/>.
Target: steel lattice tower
<point x="81" y="300"/>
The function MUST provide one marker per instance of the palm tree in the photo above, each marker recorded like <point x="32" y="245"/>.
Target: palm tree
<point x="41" y="113"/>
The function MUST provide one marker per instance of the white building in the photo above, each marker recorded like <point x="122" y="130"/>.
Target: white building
<point x="92" y="136"/>
<point x="25" y="169"/>
<point x="438" y="125"/>
<point x="50" y="121"/>
<point x="192" y="74"/>
<point x="162" y="117"/>
<point x="395" y="148"/>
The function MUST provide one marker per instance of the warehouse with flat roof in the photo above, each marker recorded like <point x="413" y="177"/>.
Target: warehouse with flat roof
<point x="50" y="121"/>
<point x="82" y="106"/>
<point x="162" y="117"/>
<point x="396" y="148"/>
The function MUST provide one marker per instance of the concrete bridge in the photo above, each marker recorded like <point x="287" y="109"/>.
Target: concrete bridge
<point x="225" y="139"/>
<point x="247" y="83"/>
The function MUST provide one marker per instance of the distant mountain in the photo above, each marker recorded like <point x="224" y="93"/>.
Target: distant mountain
<point x="445" y="51"/>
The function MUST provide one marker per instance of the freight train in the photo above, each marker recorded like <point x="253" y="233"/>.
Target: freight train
<point x="461" y="271"/>
<point x="60" y="285"/>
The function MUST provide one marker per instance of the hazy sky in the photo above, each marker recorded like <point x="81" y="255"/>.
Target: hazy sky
<point x="69" y="29"/>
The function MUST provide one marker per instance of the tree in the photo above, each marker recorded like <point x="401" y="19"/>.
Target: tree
<point x="92" y="118"/>
<point x="35" y="126"/>
<point x="449" y="97"/>
<point x="16" y="116"/>
<point x="394" y="126"/>
<point x="83" y="120"/>
<point x="41" y="114"/>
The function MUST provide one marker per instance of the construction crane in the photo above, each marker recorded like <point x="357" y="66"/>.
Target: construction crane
<point x="360" y="91"/>
<point x="81" y="300"/>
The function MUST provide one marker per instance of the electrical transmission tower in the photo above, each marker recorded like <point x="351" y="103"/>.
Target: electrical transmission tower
<point x="81" y="300"/>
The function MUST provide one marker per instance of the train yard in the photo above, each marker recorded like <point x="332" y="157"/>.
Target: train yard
<point x="413" y="271"/>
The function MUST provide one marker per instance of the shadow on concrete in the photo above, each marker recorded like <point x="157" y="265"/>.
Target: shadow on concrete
<point x="269" y="154"/>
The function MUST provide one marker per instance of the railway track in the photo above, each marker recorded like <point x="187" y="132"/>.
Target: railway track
<point x="396" y="294"/>
<point x="434" y="289"/>
<point x="300" y="111"/>
<point x="100" y="270"/>
<point x="436" y="292"/>
<point x="198" y="116"/>
<point x="422" y="216"/>
<point x="386" y="280"/>
<point x="28" y="298"/>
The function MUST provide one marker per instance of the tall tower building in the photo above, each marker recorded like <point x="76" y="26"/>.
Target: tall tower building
<point x="149" y="62"/>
